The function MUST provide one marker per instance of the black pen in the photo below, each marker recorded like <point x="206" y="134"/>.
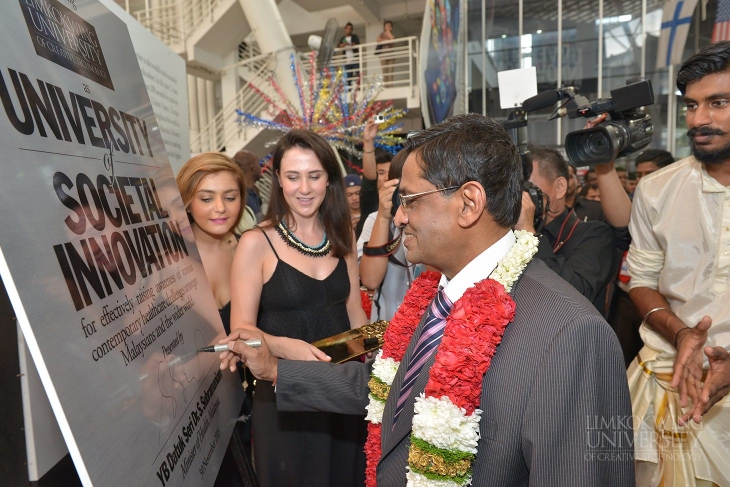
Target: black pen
<point x="224" y="348"/>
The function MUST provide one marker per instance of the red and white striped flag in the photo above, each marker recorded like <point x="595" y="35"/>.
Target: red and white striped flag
<point x="721" y="31"/>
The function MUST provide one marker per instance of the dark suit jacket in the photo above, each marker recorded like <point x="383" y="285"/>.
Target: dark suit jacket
<point x="587" y="259"/>
<point x="555" y="400"/>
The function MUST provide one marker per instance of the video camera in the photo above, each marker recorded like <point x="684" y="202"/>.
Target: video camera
<point x="628" y="128"/>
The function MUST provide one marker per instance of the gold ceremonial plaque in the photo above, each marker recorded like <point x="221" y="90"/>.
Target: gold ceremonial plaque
<point x="353" y="343"/>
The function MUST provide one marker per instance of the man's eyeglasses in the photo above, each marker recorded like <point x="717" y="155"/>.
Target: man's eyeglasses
<point x="407" y="199"/>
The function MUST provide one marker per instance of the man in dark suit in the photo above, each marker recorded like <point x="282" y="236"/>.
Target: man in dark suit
<point x="555" y="401"/>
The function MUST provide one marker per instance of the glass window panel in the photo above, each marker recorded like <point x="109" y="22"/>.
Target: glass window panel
<point x="622" y="38"/>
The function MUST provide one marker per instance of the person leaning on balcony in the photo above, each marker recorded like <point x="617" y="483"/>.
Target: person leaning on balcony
<point x="349" y="41"/>
<point x="386" y="61"/>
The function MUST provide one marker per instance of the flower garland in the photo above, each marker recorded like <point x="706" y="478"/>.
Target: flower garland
<point x="446" y="421"/>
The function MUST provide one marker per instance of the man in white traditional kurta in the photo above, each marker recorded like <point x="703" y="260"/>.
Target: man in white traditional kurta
<point x="679" y="263"/>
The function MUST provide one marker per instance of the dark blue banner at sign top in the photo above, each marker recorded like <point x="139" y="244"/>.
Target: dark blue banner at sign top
<point x="61" y="36"/>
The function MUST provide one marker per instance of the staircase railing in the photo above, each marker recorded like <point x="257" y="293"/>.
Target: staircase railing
<point x="173" y="23"/>
<point x="224" y="129"/>
<point x="401" y="57"/>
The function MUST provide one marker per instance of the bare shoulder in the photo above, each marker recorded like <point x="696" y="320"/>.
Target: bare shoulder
<point x="254" y="241"/>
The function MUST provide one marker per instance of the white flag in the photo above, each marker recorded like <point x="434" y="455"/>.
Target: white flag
<point x="675" y="26"/>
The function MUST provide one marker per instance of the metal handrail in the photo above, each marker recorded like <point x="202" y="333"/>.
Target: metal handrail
<point x="248" y="49"/>
<point x="223" y="128"/>
<point x="174" y="23"/>
<point x="254" y="63"/>
<point x="403" y="54"/>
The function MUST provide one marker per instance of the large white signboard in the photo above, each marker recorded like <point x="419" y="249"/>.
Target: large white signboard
<point x="97" y="254"/>
<point x="165" y="76"/>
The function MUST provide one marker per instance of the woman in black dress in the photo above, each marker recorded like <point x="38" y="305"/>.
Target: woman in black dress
<point x="295" y="277"/>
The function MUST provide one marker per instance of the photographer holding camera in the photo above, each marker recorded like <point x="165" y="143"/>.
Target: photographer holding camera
<point x="580" y="252"/>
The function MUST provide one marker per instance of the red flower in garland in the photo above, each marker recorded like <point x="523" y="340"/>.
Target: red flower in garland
<point x="372" y="454"/>
<point x="475" y="327"/>
<point x="397" y="337"/>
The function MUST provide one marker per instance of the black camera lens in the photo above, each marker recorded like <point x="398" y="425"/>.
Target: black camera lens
<point x="597" y="145"/>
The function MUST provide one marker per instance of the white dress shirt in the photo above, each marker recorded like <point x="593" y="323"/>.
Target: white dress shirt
<point x="478" y="269"/>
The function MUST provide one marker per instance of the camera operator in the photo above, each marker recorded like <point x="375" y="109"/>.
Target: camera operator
<point x="679" y="286"/>
<point x="623" y="316"/>
<point x="582" y="253"/>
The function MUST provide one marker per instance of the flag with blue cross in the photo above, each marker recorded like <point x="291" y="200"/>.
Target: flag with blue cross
<point x="675" y="26"/>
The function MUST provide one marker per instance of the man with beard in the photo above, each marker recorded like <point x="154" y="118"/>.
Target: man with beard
<point x="679" y="263"/>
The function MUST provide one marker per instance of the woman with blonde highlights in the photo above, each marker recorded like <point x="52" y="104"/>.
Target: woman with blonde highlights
<point x="211" y="186"/>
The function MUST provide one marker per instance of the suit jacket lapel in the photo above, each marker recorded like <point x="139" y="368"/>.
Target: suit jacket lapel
<point x="390" y="437"/>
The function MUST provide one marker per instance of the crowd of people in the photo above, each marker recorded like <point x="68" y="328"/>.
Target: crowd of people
<point x="608" y="275"/>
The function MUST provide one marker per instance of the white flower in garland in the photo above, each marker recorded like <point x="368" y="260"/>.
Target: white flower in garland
<point x="415" y="479"/>
<point x="375" y="408"/>
<point x="513" y="264"/>
<point x="385" y="368"/>
<point x="444" y="425"/>
<point x="438" y="424"/>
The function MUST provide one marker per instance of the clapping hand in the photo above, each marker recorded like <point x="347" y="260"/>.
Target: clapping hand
<point x="716" y="386"/>
<point x="687" y="374"/>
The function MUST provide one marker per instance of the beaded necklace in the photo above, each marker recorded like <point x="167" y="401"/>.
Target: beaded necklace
<point x="292" y="241"/>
